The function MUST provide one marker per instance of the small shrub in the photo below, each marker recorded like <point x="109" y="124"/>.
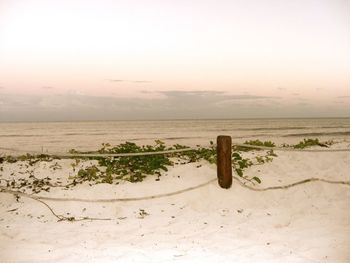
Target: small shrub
<point x="254" y="143"/>
<point x="307" y="143"/>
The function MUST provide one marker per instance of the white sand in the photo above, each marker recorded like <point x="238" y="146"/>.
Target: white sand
<point x="306" y="223"/>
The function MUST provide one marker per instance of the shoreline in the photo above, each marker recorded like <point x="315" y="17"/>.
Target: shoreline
<point x="185" y="120"/>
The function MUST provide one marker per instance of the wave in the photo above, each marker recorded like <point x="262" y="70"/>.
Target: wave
<point x="287" y="128"/>
<point x="334" y="127"/>
<point x="272" y="129"/>
<point x="39" y="135"/>
<point x="84" y="133"/>
<point x="20" y="135"/>
<point x="344" y="133"/>
<point x="167" y="138"/>
<point x="275" y="128"/>
<point x="258" y="129"/>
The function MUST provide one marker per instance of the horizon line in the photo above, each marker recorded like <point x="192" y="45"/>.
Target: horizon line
<point x="176" y="119"/>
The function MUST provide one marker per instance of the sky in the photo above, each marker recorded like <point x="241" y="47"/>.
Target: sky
<point x="161" y="59"/>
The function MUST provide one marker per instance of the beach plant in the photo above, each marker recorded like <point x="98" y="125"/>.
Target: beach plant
<point x="240" y="164"/>
<point x="32" y="159"/>
<point x="261" y="159"/>
<point x="260" y="143"/>
<point x="308" y="143"/>
<point x="129" y="168"/>
<point x="56" y="166"/>
<point x="142" y="213"/>
<point x="133" y="168"/>
<point x="202" y="153"/>
<point x="254" y="143"/>
<point x="10" y="159"/>
<point x="36" y="185"/>
<point x="136" y="168"/>
<point x="75" y="163"/>
<point x="90" y="173"/>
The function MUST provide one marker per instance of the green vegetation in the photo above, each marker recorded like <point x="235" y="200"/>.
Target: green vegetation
<point x="112" y="170"/>
<point x="240" y="164"/>
<point x="260" y="143"/>
<point x="32" y="159"/>
<point x="136" y="168"/>
<point x="305" y="143"/>
<point x="254" y="143"/>
<point x="308" y="143"/>
<point x="133" y="168"/>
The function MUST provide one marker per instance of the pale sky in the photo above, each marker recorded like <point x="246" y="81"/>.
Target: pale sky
<point x="161" y="59"/>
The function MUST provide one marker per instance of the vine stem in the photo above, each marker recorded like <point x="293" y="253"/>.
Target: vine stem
<point x="308" y="180"/>
<point x="59" y="217"/>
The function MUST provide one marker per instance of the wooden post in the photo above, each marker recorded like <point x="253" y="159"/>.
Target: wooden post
<point x="224" y="162"/>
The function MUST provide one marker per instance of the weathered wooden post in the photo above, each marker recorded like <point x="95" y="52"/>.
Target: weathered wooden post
<point x="224" y="162"/>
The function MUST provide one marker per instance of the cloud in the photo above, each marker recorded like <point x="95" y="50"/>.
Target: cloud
<point x="47" y="87"/>
<point x="211" y="94"/>
<point x="303" y="104"/>
<point x="116" y="80"/>
<point x="195" y="93"/>
<point x="2" y="87"/>
<point x="207" y="98"/>
<point x="174" y="104"/>
<point x="343" y="97"/>
<point x="130" y="81"/>
<point x="141" y="81"/>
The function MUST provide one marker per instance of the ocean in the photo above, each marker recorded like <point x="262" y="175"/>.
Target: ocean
<point x="62" y="136"/>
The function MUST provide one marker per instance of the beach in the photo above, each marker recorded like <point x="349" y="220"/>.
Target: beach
<point x="155" y="221"/>
<point x="174" y="131"/>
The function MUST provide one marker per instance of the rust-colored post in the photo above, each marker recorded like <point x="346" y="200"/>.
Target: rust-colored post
<point x="224" y="162"/>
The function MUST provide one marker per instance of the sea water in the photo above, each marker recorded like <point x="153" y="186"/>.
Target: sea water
<point x="62" y="136"/>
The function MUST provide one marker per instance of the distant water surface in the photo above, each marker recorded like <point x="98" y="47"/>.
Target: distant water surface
<point x="62" y="136"/>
